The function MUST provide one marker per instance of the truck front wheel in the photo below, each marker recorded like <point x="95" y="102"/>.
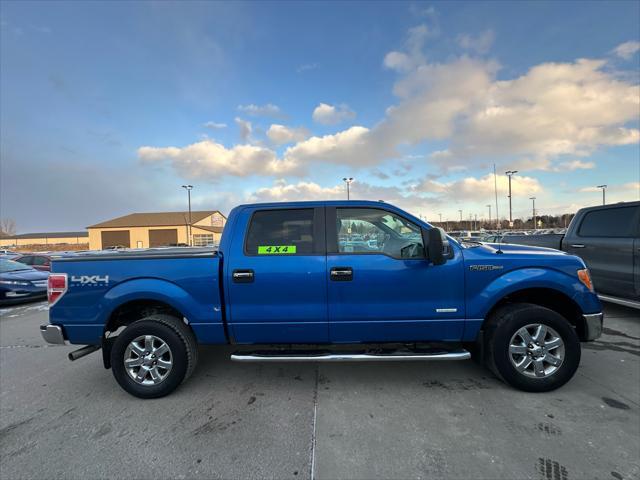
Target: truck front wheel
<point x="152" y="356"/>
<point x="531" y="347"/>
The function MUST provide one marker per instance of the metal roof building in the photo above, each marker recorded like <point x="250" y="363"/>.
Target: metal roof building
<point x="158" y="229"/>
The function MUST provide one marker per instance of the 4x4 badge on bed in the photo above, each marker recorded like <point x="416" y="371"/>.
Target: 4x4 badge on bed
<point x="91" y="280"/>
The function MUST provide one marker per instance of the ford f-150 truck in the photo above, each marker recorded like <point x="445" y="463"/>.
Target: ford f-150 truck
<point x="326" y="281"/>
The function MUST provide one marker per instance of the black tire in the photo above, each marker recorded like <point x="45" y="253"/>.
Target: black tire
<point x="182" y="344"/>
<point x="508" y="320"/>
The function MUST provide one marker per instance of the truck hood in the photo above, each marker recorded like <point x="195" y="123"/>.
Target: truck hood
<point x="513" y="249"/>
<point x="506" y="257"/>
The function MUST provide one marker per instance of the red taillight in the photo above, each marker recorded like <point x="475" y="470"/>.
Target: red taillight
<point x="56" y="287"/>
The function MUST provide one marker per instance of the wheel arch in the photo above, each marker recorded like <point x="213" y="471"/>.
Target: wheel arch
<point x="132" y="310"/>
<point x="550" y="298"/>
<point x="127" y="313"/>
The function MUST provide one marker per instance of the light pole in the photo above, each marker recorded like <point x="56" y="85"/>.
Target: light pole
<point x="603" y="187"/>
<point x="510" y="173"/>
<point x="440" y="215"/>
<point x="489" y="205"/>
<point x="348" y="182"/>
<point x="535" y="224"/>
<point x="461" y="226"/>
<point x="188" y="188"/>
<point x="475" y="221"/>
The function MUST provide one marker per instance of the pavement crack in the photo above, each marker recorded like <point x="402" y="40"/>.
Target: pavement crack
<point x="313" y="429"/>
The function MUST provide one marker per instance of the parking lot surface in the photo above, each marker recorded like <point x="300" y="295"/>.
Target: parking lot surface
<point x="402" y="420"/>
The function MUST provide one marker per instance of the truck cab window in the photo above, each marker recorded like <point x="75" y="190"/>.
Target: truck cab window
<point x="281" y="232"/>
<point x="372" y="230"/>
<point x="609" y="222"/>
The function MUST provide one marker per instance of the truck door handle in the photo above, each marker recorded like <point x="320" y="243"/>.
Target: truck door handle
<point x="341" y="274"/>
<point x="577" y="245"/>
<point x="242" y="276"/>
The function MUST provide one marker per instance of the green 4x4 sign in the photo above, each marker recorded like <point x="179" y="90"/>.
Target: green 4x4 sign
<point x="276" y="249"/>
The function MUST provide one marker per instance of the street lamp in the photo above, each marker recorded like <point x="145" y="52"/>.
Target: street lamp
<point x="603" y="187"/>
<point x="348" y="182"/>
<point x="489" y="205"/>
<point x="535" y="224"/>
<point x="440" y="219"/>
<point x="510" y="173"/>
<point x="188" y="188"/>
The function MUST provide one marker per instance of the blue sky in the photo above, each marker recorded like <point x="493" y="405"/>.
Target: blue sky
<point x="107" y="108"/>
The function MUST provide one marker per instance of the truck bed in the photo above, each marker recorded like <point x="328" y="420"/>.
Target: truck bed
<point x="552" y="240"/>
<point x="186" y="279"/>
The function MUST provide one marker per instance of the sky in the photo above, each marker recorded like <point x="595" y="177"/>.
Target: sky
<point x="107" y="108"/>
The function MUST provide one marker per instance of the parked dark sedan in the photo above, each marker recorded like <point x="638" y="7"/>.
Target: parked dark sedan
<point x="36" y="260"/>
<point x="19" y="282"/>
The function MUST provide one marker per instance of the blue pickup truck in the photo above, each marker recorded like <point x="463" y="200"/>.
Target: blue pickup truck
<point x="323" y="282"/>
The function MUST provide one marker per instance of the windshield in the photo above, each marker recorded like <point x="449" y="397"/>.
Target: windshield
<point x="11" y="266"/>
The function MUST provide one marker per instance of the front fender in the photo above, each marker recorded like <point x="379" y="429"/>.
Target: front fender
<point x="479" y="305"/>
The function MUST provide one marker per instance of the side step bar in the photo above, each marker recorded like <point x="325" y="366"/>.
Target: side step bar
<point x="349" y="357"/>
<point x="620" y="301"/>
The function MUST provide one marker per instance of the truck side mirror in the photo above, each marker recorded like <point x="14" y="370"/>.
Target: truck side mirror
<point x="438" y="248"/>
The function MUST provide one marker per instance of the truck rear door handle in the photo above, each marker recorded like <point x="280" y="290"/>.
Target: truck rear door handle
<point x="242" y="276"/>
<point x="577" y="245"/>
<point x="341" y="274"/>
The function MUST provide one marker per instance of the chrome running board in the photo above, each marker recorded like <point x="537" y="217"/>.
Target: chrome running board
<point x="619" y="301"/>
<point x="348" y="357"/>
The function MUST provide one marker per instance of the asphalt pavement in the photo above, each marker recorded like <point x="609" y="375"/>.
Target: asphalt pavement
<point x="62" y="419"/>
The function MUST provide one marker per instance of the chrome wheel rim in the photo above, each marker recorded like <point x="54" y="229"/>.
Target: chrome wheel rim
<point x="148" y="360"/>
<point x="536" y="350"/>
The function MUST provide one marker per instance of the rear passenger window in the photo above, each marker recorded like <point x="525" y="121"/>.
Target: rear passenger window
<point x="281" y="232"/>
<point x="609" y="222"/>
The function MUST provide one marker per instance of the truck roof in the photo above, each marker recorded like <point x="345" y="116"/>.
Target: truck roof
<point x="319" y="203"/>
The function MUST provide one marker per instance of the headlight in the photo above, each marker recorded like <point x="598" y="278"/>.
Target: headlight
<point x="585" y="277"/>
<point x="13" y="282"/>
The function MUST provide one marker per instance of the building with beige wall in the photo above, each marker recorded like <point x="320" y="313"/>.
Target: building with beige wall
<point x="44" y="239"/>
<point x="158" y="229"/>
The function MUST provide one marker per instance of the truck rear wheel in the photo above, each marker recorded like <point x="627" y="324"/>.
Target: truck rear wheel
<point x="531" y="347"/>
<point x="153" y="356"/>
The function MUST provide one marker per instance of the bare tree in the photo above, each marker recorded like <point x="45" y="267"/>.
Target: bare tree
<point x="8" y="226"/>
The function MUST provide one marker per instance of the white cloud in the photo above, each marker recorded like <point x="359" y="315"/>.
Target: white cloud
<point x="245" y="128"/>
<point x="552" y="110"/>
<point x="336" y="148"/>
<point x="282" y="191"/>
<point x="210" y="160"/>
<point x="326" y="114"/>
<point x="572" y="165"/>
<point x="630" y="189"/>
<point x="281" y="134"/>
<point x="479" y="189"/>
<point x="267" y="110"/>
<point x="412" y="57"/>
<point x="480" y="44"/>
<point x="214" y="125"/>
<point x="306" y="67"/>
<point x="398" y="61"/>
<point x="627" y="50"/>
